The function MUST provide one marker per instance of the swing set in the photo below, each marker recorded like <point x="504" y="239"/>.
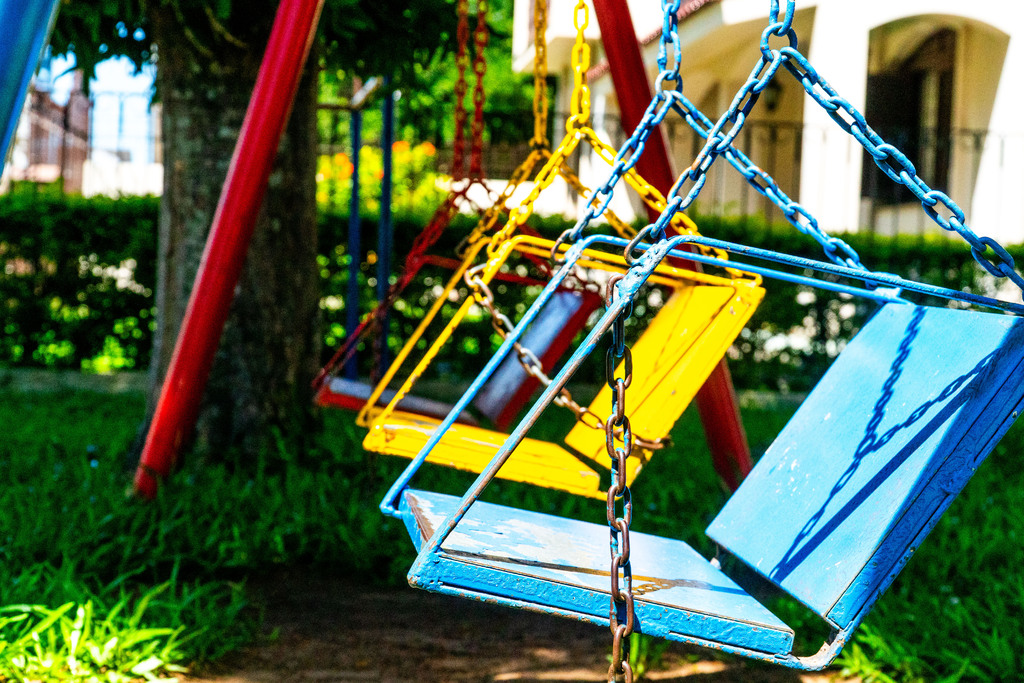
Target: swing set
<point x="835" y="507"/>
<point x="837" y="504"/>
<point x="714" y="309"/>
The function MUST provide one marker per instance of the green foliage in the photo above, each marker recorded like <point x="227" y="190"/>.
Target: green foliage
<point x="70" y="610"/>
<point x="645" y="654"/>
<point x="417" y="188"/>
<point x="427" y="107"/>
<point x="95" y="31"/>
<point x="385" y="37"/>
<point x="955" y="613"/>
<point x="368" y="38"/>
<point x="80" y="273"/>
<point x="79" y="277"/>
<point x="71" y="537"/>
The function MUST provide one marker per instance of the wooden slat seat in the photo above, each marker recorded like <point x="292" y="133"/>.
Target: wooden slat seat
<point x="556" y="565"/>
<point x="830" y="513"/>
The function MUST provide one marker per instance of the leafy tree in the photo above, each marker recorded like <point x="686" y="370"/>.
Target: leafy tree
<point x="207" y="54"/>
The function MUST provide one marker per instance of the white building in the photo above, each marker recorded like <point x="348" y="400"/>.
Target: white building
<point x="943" y="80"/>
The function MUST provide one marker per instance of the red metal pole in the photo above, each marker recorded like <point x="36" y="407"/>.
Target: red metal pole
<point x="716" y="401"/>
<point x="228" y="242"/>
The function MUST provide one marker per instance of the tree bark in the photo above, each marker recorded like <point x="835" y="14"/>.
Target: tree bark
<point x="259" y="384"/>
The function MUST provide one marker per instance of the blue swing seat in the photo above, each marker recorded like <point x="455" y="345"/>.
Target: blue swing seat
<point x="830" y="513"/>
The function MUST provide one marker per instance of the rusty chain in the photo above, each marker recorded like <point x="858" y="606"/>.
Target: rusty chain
<point x="620" y="612"/>
<point x="527" y="358"/>
<point x="534" y="368"/>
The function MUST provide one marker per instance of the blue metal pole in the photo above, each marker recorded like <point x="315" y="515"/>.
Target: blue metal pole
<point x="26" y="25"/>
<point x="355" y="240"/>
<point x="385" y="237"/>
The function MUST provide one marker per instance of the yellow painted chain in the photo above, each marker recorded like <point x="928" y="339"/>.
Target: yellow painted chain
<point x="622" y="228"/>
<point x="579" y="104"/>
<point x="494" y="212"/>
<point x="579" y="116"/>
<point x="555" y="162"/>
<point x="540" y="76"/>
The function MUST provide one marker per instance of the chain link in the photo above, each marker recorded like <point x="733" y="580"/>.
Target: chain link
<point x="720" y="136"/>
<point x="480" y="39"/>
<point x="946" y="213"/>
<point x="527" y="358"/>
<point x="669" y="47"/>
<point x="461" y="64"/>
<point x="493" y="214"/>
<point x="837" y="250"/>
<point x="620" y="611"/>
<point x="579" y="101"/>
<point x="540" y="75"/>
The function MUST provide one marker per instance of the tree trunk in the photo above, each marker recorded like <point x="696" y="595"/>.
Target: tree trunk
<point x="269" y="351"/>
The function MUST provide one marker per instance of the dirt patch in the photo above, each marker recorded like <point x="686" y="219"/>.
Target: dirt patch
<point x="330" y="629"/>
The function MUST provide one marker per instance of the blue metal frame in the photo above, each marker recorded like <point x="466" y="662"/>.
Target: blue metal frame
<point x="26" y="25"/>
<point x="634" y="279"/>
<point x="385" y="230"/>
<point x="355" y="241"/>
<point x="628" y="287"/>
<point x="432" y="565"/>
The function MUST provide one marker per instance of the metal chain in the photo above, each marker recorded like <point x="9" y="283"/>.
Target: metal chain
<point x="480" y="38"/>
<point x="837" y="250"/>
<point x="539" y="144"/>
<point x="723" y="133"/>
<point x="669" y="47"/>
<point x="547" y="174"/>
<point x="534" y="368"/>
<point x="946" y="213"/>
<point x="414" y="260"/>
<point x="666" y="100"/>
<point x="720" y="137"/>
<point x="494" y="212"/>
<point x="624" y="160"/>
<point x="579" y="100"/>
<point x="461" y="63"/>
<point x="540" y="75"/>
<point x="620" y="612"/>
<point x="527" y="358"/>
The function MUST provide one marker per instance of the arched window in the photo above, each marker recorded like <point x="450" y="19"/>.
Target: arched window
<point x="910" y="104"/>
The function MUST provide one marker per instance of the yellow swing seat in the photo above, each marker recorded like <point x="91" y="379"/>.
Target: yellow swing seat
<point x="685" y="341"/>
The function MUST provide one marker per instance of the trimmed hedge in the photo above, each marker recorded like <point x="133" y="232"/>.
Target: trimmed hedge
<point x="79" y="278"/>
<point x="79" y="273"/>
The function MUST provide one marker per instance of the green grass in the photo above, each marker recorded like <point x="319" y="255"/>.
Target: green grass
<point x="96" y="584"/>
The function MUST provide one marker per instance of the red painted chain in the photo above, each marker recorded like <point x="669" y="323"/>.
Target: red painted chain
<point x="413" y="262"/>
<point x="461" y="62"/>
<point x="480" y="38"/>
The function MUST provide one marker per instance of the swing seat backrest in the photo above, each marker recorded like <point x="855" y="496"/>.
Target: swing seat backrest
<point x="875" y="454"/>
<point x="510" y="387"/>
<point x="692" y="332"/>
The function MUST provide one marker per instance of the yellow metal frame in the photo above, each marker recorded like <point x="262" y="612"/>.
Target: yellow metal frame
<point x="673" y="357"/>
<point x="668" y="353"/>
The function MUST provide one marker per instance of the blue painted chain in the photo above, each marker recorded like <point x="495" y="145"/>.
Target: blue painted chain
<point x="899" y="168"/>
<point x="669" y="47"/>
<point x="717" y="144"/>
<point x="625" y="159"/>
<point x="723" y="133"/>
<point x="630" y="152"/>
<point x="837" y="250"/>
